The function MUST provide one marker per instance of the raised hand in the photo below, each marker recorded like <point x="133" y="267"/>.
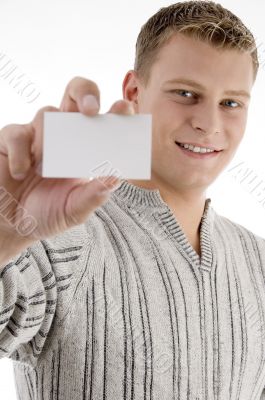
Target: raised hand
<point x="54" y="204"/>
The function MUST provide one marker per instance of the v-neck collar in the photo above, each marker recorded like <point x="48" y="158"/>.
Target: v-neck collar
<point x="138" y="198"/>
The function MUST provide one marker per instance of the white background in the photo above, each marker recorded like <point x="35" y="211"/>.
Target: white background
<point x="54" y="40"/>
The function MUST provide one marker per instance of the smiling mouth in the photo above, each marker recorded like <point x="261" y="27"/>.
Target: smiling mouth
<point x="197" y="152"/>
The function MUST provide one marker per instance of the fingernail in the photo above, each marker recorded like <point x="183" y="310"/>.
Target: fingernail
<point x="90" y="101"/>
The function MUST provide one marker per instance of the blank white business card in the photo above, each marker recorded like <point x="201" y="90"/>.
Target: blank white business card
<point x="78" y="146"/>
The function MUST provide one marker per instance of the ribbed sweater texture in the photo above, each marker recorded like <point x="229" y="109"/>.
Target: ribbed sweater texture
<point x="123" y="308"/>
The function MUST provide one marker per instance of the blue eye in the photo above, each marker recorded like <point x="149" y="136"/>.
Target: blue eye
<point x="234" y="102"/>
<point x="184" y="91"/>
<point x="191" y="95"/>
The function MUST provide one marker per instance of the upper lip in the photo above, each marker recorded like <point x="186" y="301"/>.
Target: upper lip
<point x="208" y="146"/>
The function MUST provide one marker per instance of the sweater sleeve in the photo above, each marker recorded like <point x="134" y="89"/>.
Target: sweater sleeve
<point x="35" y="290"/>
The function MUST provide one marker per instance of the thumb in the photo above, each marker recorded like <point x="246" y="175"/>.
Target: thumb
<point x="87" y="196"/>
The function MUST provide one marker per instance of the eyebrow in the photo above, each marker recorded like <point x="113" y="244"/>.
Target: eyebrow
<point x="197" y="85"/>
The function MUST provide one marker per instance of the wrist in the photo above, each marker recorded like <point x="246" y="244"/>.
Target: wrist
<point x="11" y="246"/>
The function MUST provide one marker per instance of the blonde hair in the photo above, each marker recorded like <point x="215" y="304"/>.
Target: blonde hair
<point x="204" y="20"/>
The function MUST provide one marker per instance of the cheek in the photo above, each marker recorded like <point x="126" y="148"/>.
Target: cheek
<point x="168" y="115"/>
<point x="169" y="118"/>
<point x="236" y="131"/>
<point x="236" y="125"/>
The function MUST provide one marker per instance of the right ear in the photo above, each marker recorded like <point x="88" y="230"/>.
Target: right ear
<point x="130" y="88"/>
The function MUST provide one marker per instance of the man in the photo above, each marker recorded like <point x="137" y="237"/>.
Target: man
<point x="140" y="291"/>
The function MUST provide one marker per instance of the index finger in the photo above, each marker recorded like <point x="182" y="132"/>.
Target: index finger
<point x="77" y="97"/>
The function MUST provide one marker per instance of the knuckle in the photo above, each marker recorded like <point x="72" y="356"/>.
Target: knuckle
<point x="90" y="86"/>
<point x="9" y="128"/>
<point x="40" y="115"/>
<point x="49" y="108"/>
<point x="74" y="80"/>
<point x="18" y="132"/>
<point x="123" y="106"/>
<point x="42" y="110"/>
<point x="120" y="103"/>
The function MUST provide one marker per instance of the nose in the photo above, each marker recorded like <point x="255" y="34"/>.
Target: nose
<point x="206" y="118"/>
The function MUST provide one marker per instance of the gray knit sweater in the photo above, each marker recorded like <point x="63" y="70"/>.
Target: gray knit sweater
<point x="122" y="307"/>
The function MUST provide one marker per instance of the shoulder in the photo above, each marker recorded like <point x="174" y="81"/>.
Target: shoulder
<point x="234" y="229"/>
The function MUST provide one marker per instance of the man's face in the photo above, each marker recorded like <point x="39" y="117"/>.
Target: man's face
<point x="184" y="113"/>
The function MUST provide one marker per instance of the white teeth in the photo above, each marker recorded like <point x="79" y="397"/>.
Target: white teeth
<point x="196" y="149"/>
